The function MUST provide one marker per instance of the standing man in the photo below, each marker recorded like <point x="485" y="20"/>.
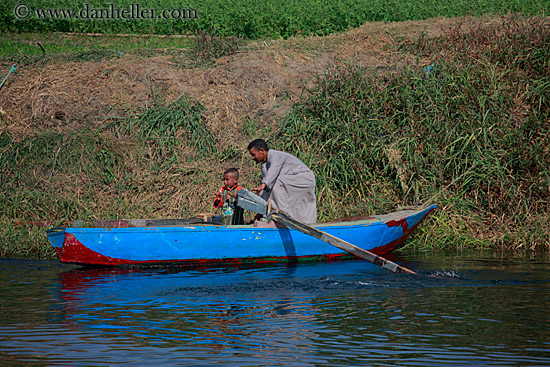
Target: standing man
<point x="287" y="182"/>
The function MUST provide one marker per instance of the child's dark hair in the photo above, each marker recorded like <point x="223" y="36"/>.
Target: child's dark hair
<point x="232" y="171"/>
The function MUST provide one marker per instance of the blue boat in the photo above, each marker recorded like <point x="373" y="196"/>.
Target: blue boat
<point x="162" y="242"/>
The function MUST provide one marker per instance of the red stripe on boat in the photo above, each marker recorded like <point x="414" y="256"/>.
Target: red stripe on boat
<point x="406" y="231"/>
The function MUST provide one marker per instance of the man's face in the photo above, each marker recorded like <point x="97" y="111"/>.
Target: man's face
<point x="258" y="156"/>
<point x="229" y="180"/>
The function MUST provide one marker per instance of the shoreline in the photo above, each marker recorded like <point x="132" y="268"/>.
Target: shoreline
<point x="146" y="134"/>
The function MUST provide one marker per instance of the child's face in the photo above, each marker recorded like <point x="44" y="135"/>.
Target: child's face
<point x="229" y="180"/>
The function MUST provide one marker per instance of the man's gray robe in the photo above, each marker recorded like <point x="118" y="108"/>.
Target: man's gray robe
<point x="290" y="186"/>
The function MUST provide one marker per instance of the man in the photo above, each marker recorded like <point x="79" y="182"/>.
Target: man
<point x="287" y="182"/>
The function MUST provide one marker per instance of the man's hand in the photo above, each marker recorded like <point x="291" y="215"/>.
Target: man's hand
<point x="259" y="188"/>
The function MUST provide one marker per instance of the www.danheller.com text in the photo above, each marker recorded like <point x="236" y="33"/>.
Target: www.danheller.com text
<point x="110" y="12"/>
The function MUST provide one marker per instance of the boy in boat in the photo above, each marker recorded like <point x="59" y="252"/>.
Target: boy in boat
<point x="226" y="198"/>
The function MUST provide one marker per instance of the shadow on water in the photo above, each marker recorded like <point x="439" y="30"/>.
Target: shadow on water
<point x="477" y="309"/>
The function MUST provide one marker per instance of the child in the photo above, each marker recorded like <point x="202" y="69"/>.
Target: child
<point x="226" y="198"/>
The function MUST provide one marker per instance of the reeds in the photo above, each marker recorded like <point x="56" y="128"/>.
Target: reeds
<point x="470" y="134"/>
<point x="474" y="132"/>
<point x="162" y="123"/>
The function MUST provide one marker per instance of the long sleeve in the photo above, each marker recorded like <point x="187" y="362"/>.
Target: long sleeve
<point x="290" y="186"/>
<point x="272" y="168"/>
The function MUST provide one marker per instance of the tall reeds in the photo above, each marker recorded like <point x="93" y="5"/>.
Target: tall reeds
<point x="470" y="133"/>
<point x="163" y="122"/>
<point x="473" y="132"/>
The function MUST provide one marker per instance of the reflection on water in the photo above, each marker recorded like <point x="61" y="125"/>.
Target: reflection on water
<point x="464" y="310"/>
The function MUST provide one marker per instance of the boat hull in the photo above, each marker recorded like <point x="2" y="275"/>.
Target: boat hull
<point x="212" y="245"/>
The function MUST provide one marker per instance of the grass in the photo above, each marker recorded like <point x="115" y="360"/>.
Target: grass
<point x="38" y="48"/>
<point x="19" y="240"/>
<point x="161" y="123"/>
<point x="206" y="47"/>
<point x="471" y="135"/>
<point x="36" y="169"/>
<point x="256" y="19"/>
<point x="56" y="43"/>
<point x="201" y="49"/>
<point x="474" y="133"/>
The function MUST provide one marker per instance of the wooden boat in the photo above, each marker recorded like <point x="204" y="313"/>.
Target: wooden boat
<point x="157" y="242"/>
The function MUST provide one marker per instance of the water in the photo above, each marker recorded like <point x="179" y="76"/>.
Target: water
<point x="464" y="309"/>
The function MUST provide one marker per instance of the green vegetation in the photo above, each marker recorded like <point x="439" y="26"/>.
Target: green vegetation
<point x="472" y="133"/>
<point x="24" y="240"/>
<point x="257" y="19"/>
<point x="36" y="169"/>
<point x="35" y="48"/>
<point x="204" y="48"/>
<point x="160" y="125"/>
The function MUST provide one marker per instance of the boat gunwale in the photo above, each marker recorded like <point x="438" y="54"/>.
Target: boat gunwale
<point x="371" y="221"/>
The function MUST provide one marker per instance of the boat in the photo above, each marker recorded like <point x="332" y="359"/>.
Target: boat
<point x="143" y="242"/>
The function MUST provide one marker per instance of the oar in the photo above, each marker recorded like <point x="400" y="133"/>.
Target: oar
<point x="250" y="201"/>
<point x="337" y="242"/>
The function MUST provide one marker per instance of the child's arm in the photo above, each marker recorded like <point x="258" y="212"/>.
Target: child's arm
<point x="218" y="201"/>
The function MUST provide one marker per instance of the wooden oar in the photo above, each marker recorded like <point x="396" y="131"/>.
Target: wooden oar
<point x="250" y="201"/>
<point x="341" y="244"/>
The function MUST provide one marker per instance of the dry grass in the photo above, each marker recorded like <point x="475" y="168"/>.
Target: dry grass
<point x="260" y="83"/>
<point x="255" y="87"/>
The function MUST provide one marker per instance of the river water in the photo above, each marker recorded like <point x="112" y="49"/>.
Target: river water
<point x="463" y="309"/>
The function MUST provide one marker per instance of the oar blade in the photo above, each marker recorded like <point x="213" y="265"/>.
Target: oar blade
<point x="247" y="200"/>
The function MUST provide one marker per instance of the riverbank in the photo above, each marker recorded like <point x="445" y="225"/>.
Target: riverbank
<point x="451" y="111"/>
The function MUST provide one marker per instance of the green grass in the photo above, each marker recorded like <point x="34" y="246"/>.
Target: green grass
<point x="260" y="19"/>
<point x="24" y="241"/>
<point x="473" y="134"/>
<point x="36" y="169"/>
<point x="202" y="49"/>
<point x="26" y="43"/>
<point x="23" y="48"/>
<point x="166" y="125"/>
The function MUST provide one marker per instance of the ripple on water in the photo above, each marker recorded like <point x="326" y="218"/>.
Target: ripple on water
<point x="347" y="313"/>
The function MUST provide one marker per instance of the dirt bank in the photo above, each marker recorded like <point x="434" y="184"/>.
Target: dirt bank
<point x="260" y="82"/>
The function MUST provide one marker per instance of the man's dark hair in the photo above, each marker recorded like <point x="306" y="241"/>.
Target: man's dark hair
<point x="258" y="144"/>
<point x="232" y="171"/>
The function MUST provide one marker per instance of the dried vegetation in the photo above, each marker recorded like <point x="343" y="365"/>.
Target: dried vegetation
<point x="137" y="136"/>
